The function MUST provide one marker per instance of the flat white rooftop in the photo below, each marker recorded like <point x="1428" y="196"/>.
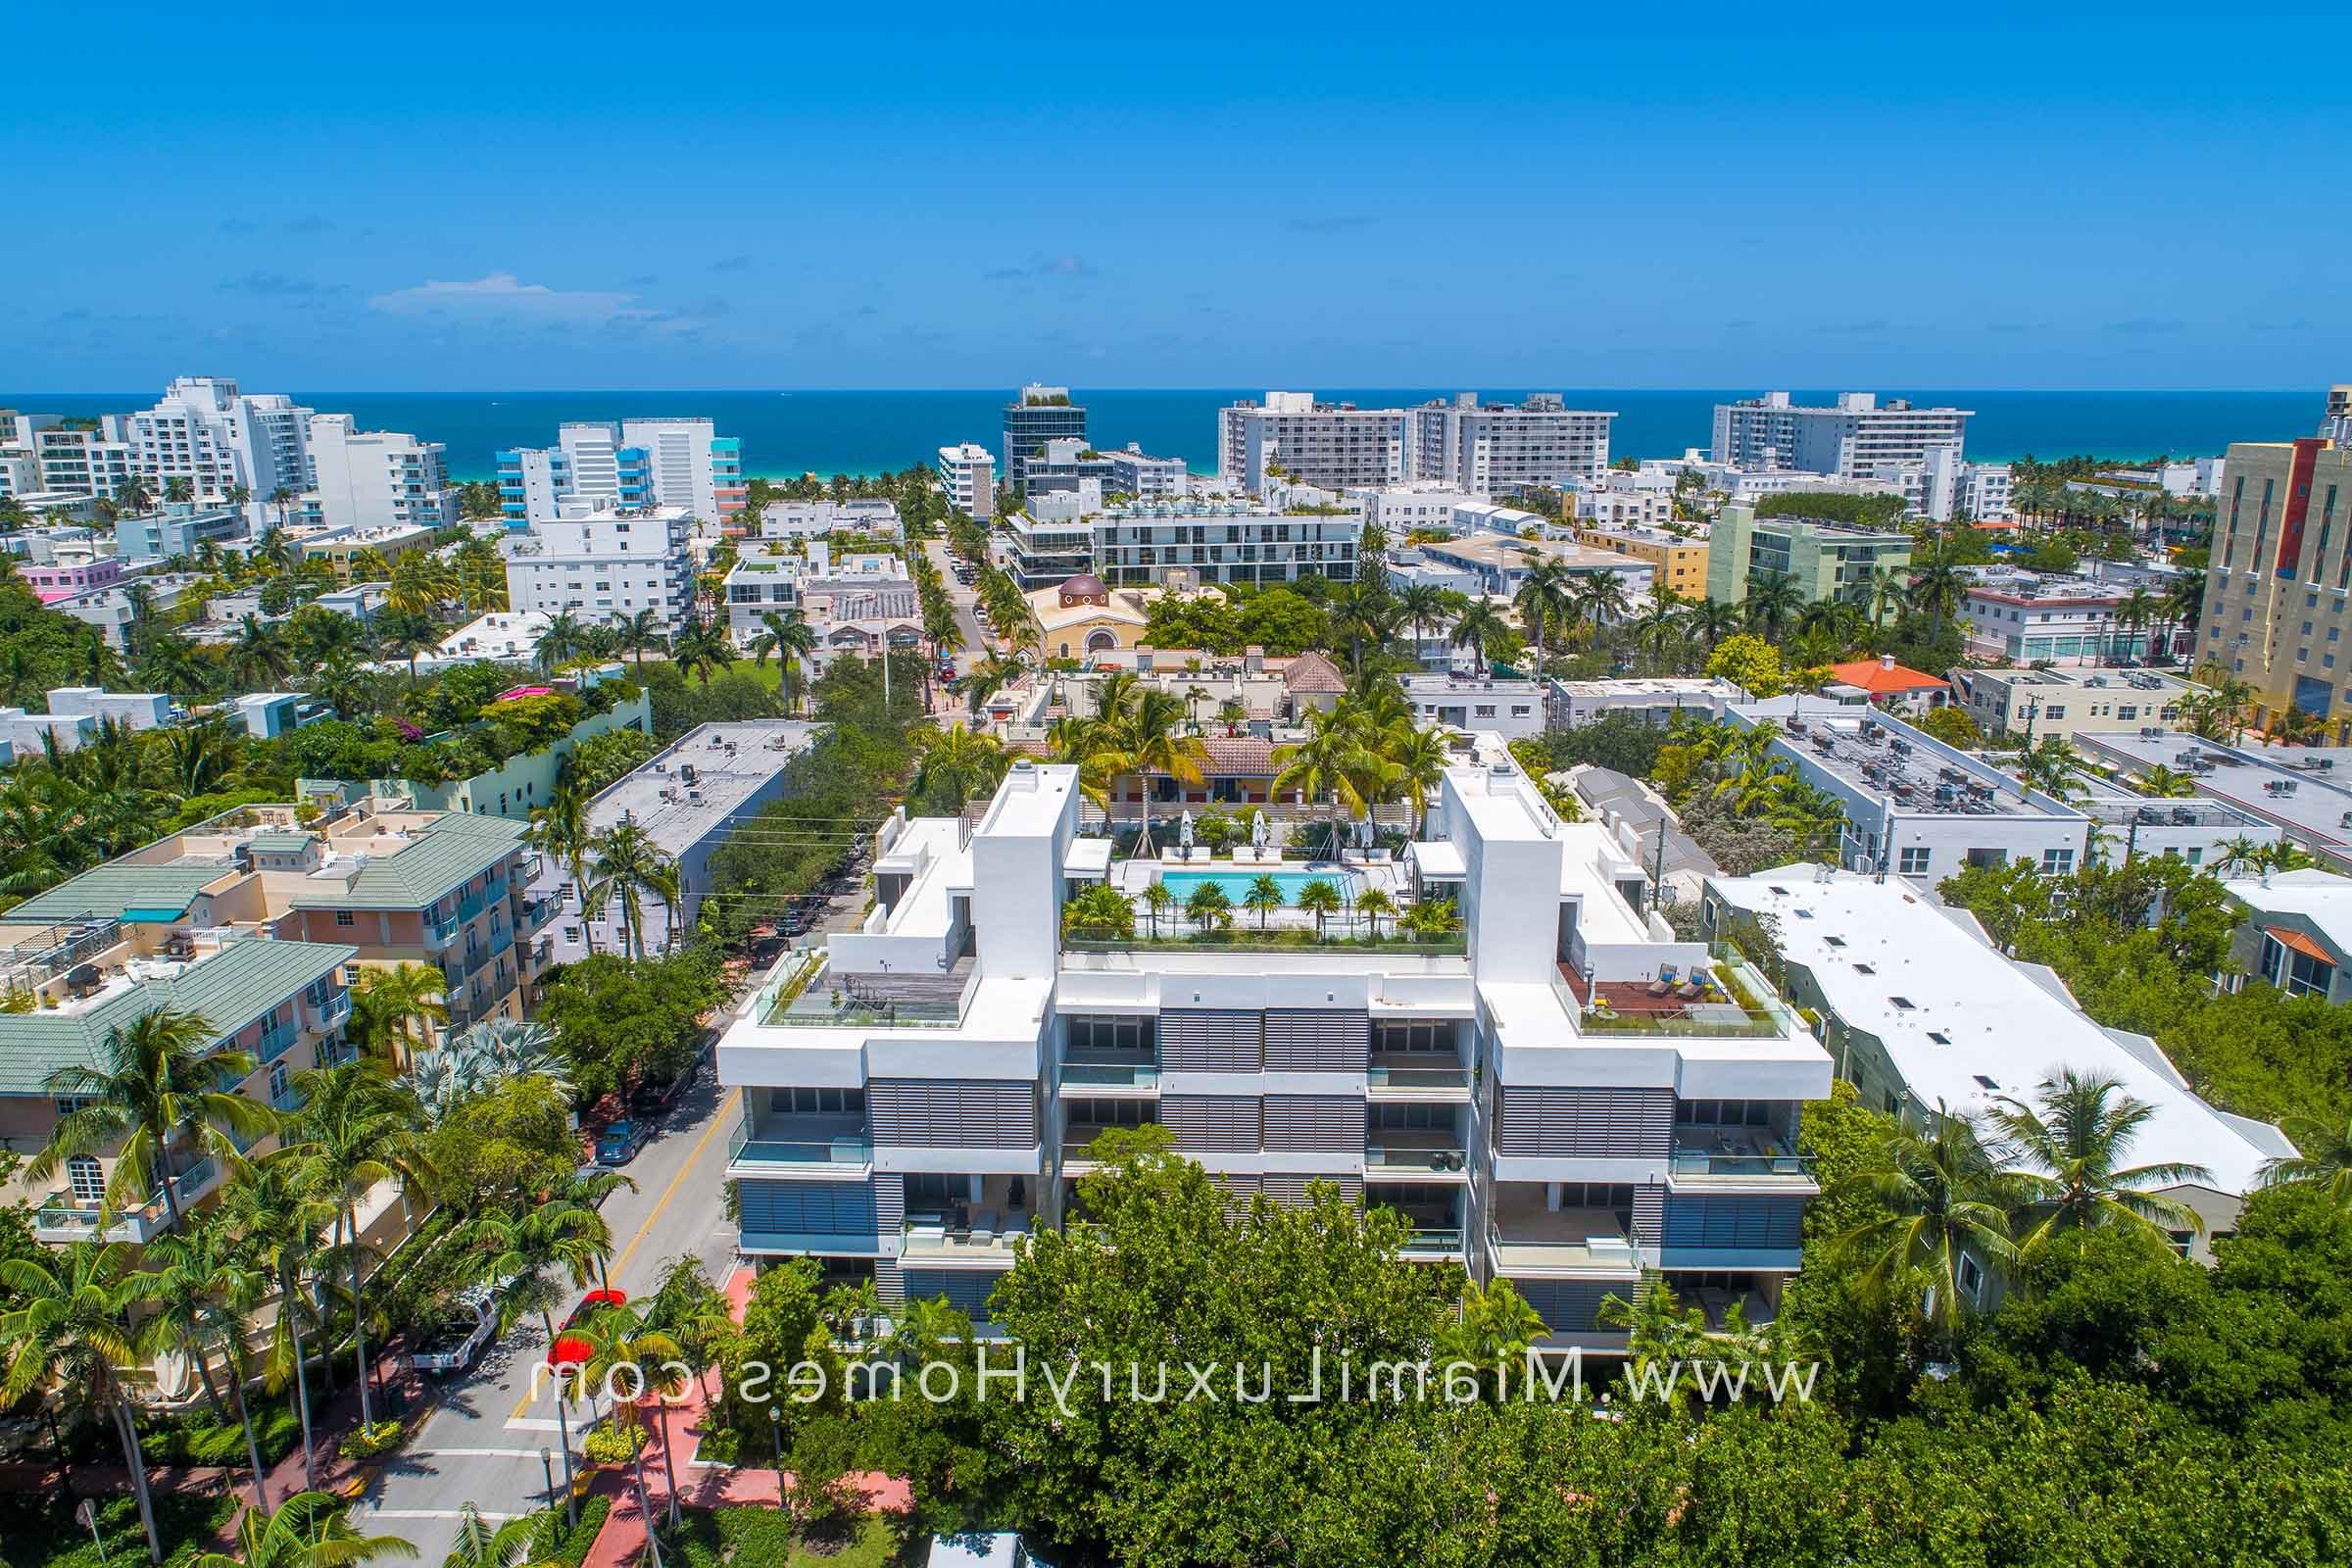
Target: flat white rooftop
<point x="1962" y="1024"/>
<point x="701" y="779"/>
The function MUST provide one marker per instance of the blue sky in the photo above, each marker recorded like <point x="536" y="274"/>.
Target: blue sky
<point x="430" y="197"/>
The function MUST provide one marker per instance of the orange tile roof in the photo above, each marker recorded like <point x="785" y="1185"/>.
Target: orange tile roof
<point x="1880" y="680"/>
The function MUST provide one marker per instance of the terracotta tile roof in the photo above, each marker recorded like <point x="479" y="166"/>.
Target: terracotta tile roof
<point x="1881" y="679"/>
<point x="1310" y="671"/>
<point x="1239" y="754"/>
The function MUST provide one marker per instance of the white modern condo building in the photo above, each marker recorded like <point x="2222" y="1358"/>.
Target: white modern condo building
<point x="680" y="463"/>
<point x="601" y="562"/>
<point x="1849" y="441"/>
<point x="968" y="475"/>
<point x="1484" y="449"/>
<point x="206" y="431"/>
<point x="1561" y="1092"/>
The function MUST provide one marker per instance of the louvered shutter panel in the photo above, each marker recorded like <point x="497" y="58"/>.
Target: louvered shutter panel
<point x="1291" y="1190"/>
<point x="1212" y="1123"/>
<point x="952" y="1113"/>
<point x="815" y="1208"/>
<point x="1210" y="1039"/>
<point x="1586" y="1123"/>
<point x="1321" y="1123"/>
<point x="1317" y="1039"/>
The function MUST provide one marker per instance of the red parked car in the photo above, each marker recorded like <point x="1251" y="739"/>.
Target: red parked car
<point x="569" y="1348"/>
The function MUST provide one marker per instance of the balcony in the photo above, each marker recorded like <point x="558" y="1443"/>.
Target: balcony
<point x="1405" y="1157"/>
<point x="63" y="1217"/>
<point x="330" y="1013"/>
<point x="1526" y="1240"/>
<point x="1078" y="1138"/>
<point x="786" y="1147"/>
<point x="1418" y="1076"/>
<point x="1731" y="1160"/>
<point x="277" y="1040"/>
<point x="439" y="933"/>
<point x="814" y="996"/>
<point x="1439" y="1243"/>
<point x="287" y="1100"/>
<point x="1098" y="1075"/>
<point x="1725" y="1000"/>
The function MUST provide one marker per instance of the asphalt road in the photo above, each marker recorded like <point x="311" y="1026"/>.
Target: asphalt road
<point x="483" y="1441"/>
<point x="976" y="641"/>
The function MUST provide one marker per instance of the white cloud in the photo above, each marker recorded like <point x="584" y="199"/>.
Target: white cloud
<point x="504" y="295"/>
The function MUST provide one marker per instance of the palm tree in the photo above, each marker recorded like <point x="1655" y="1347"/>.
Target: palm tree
<point x="1145" y="736"/>
<point x="413" y="998"/>
<point x="698" y="647"/>
<point x="1423" y="604"/>
<point x="1375" y="905"/>
<point x="308" y="1529"/>
<point x="558" y="642"/>
<point x="560" y="830"/>
<point x="1420" y="758"/>
<point x="1264" y="895"/>
<point x="1547" y="589"/>
<point x="639" y="632"/>
<point x="1208" y="905"/>
<point x="281" y="498"/>
<point x="257" y="659"/>
<point x="2324" y="1161"/>
<point x="956" y="764"/>
<point x="1496" y="1327"/>
<point x="788" y="635"/>
<point x="1938" y="588"/>
<point x="2166" y="784"/>
<point x="1773" y="601"/>
<point x="405" y="633"/>
<point x="2049" y="766"/>
<point x="1481" y="626"/>
<point x="357" y="1128"/>
<point x="525" y="1248"/>
<point x="277" y="1223"/>
<point x="1332" y="761"/>
<point x="2295" y="727"/>
<point x="527" y="1541"/>
<point x="206" y="1294"/>
<point x="1602" y="597"/>
<point x="1157" y="901"/>
<point x="1946" y="1198"/>
<point x="1888" y="589"/>
<point x="1320" y="899"/>
<point x="2071" y="1142"/>
<point x="421" y="583"/>
<point x="619" y="1337"/>
<point x="629" y="865"/>
<point x="133" y="496"/>
<point x="162" y="1085"/>
<point x="65" y="1330"/>
<point x="2136" y="612"/>
<point x="991" y="674"/>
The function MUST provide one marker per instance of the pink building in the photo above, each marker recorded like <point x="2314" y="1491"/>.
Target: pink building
<point x="64" y="582"/>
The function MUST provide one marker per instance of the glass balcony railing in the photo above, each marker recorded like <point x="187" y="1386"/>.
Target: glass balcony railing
<point x="1418" y="1077"/>
<point x="1379" y="1157"/>
<point x="1432" y="1243"/>
<point x="63" y="1215"/>
<point x="748" y="1146"/>
<point x="1110" y="1074"/>
<point x="1695" y="1163"/>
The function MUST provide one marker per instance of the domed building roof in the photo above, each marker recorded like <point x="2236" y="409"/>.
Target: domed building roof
<point x="1085" y="589"/>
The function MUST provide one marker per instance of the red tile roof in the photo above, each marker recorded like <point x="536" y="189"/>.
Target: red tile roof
<point x="1310" y="671"/>
<point x="1883" y="680"/>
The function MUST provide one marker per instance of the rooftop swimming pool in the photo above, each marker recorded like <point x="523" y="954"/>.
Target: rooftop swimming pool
<point x="1236" y="884"/>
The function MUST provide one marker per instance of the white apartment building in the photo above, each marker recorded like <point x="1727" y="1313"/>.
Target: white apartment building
<point x="1927" y="1019"/>
<point x="2031" y="617"/>
<point x="1493" y="449"/>
<point x="206" y="431"/>
<point x="84" y="461"/>
<point x="1915" y="807"/>
<point x="1741" y="486"/>
<point x="2068" y="700"/>
<point x="967" y="472"/>
<point x="1405" y="508"/>
<point x="1617" y="509"/>
<point x="687" y="799"/>
<point x="1215" y="541"/>
<point x="1479" y="449"/>
<point x="814" y="520"/>
<point x="378" y="478"/>
<point x="923" y="1092"/>
<point x="677" y="463"/>
<point x="1941" y="486"/>
<point x="1145" y="478"/>
<point x="1848" y="441"/>
<point x="603" y="563"/>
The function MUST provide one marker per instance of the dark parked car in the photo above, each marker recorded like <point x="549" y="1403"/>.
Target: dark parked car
<point x="619" y="1142"/>
<point x="652" y="1100"/>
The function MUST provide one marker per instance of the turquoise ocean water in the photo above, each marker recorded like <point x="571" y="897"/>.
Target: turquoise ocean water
<point x="787" y="433"/>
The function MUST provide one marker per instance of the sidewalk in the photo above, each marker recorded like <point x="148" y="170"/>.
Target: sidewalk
<point x="343" y="1477"/>
<point x="621" y="1540"/>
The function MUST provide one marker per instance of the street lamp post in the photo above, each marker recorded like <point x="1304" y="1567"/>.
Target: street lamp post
<point x="547" y="1467"/>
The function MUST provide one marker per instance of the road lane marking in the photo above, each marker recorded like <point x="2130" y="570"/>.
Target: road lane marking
<point x="534" y="1423"/>
<point x="438" y="1513"/>
<point x="476" y="1453"/>
<point x="620" y="1264"/>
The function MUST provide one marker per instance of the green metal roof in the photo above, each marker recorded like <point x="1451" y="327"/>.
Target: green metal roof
<point x="158" y="914"/>
<point x="105" y="892"/>
<point x="290" y="842"/>
<point x="229" y="990"/>
<point x="448" y="849"/>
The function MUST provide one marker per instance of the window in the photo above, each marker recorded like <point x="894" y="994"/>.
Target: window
<point x="1902" y="1003"/>
<point x="808" y="1101"/>
<point x="2057" y="863"/>
<point x="1913" y="862"/>
<point x="277" y="1080"/>
<point x="2297" y="974"/>
<point x="68" y="1104"/>
<point x="2054" y="711"/>
<point x="1972" y="1278"/>
<point x="343" y="918"/>
<point x="86" y="1178"/>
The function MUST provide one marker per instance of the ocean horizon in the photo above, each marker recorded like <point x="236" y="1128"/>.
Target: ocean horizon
<point x="787" y="432"/>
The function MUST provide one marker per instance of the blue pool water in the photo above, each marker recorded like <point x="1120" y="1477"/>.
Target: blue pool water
<point x="1237" y="883"/>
